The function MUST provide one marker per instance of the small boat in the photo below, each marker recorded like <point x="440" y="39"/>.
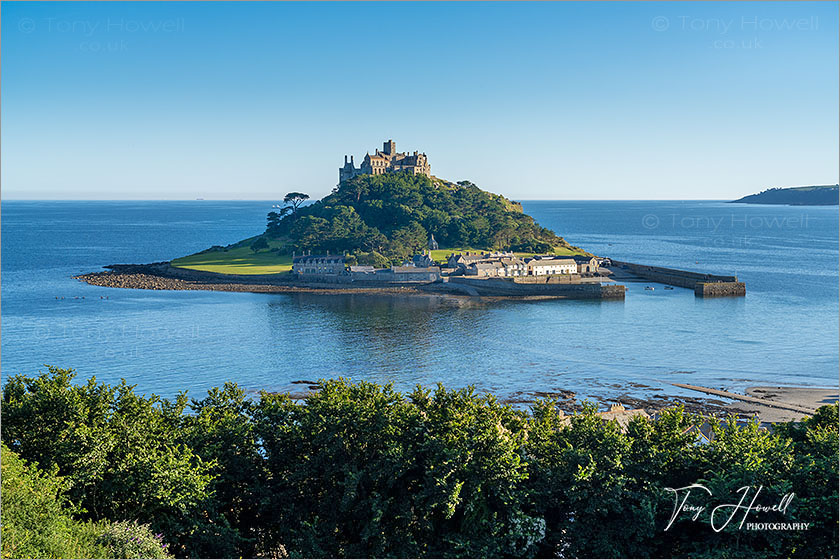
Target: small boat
<point x="669" y="287"/>
<point x="649" y="288"/>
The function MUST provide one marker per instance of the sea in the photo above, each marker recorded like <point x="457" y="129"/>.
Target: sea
<point x="784" y="332"/>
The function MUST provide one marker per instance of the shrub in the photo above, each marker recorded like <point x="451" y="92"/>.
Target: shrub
<point x="120" y="453"/>
<point x="259" y="245"/>
<point x="38" y="521"/>
<point x="36" y="518"/>
<point x="129" y="539"/>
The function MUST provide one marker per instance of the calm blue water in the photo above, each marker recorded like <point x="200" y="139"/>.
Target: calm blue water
<point x="784" y="332"/>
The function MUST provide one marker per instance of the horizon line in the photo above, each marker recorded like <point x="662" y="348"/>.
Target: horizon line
<point x="279" y="198"/>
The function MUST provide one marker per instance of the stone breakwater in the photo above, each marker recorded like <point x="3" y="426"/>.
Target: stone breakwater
<point x="162" y="276"/>
<point x="704" y="285"/>
<point x="556" y="287"/>
<point x="720" y="289"/>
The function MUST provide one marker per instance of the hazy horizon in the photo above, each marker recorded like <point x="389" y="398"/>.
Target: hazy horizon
<point x="535" y="101"/>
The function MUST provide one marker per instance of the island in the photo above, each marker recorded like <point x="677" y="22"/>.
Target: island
<point x="389" y="225"/>
<point x="815" y="195"/>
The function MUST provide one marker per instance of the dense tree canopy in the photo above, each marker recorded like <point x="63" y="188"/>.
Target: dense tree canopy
<point x="359" y="470"/>
<point x="394" y="214"/>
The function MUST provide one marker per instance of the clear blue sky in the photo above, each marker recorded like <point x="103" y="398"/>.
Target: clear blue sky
<point x="534" y="101"/>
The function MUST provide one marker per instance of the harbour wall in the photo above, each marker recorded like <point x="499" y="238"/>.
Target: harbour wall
<point x="720" y="289"/>
<point x="704" y="285"/>
<point x="538" y="287"/>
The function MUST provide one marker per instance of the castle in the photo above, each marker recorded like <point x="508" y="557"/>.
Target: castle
<point x="386" y="161"/>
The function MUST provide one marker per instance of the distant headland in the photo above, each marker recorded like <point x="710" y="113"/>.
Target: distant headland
<point x="816" y="195"/>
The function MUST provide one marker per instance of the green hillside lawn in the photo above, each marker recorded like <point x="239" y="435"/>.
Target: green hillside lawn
<point x="240" y="259"/>
<point x="237" y="259"/>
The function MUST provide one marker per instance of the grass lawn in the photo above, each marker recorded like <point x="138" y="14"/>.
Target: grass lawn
<point x="237" y="260"/>
<point x="567" y="251"/>
<point x="441" y="254"/>
<point x="240" y="259"/>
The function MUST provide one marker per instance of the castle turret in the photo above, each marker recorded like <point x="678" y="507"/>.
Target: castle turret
<point x="347" y="171"/>
<point x="389" y="147"/>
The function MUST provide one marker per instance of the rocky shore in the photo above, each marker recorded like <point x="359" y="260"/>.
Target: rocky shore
<point x="765" y="408"/>
<point x="163" y="276"/>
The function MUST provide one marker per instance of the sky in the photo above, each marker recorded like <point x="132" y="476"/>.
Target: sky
<point x="238" y="100"/>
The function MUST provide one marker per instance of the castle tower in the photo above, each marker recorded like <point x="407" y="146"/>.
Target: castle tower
<point x="389" y="147"/>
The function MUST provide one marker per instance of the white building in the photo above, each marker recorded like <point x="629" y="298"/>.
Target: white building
<point x="550" y="266"/>
<point x="513" y="267"/>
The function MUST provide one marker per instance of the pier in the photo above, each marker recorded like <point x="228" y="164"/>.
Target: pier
<point x="704" y="285"/>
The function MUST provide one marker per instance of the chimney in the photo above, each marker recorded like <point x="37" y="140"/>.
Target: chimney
<point x="351" y="160"/>
<point x="345" y="159"/>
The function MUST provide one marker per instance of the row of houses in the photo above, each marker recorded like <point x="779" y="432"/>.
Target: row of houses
<point x="333" y="268"/>
<point x="507" y="265"/>
<point x="423" y="269"/>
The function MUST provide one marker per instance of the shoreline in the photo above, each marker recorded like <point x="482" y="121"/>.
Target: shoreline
<point x="164" y="276"/>
<point x="767" y="404"/>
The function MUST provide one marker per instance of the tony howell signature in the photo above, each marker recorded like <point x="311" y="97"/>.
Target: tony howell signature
<point x="722" y="515"/>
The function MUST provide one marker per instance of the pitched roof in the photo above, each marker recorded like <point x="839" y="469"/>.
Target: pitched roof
<point x="329" y="258"/>
<point x="550" y="262"/>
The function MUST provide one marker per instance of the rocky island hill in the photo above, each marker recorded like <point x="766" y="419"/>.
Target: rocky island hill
<point x="390" y="224"/>
<point x="382" y="214"/>
<point x="386" y="219"/>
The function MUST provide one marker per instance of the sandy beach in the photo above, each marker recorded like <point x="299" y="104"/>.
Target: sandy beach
<point x="807" y="397"/>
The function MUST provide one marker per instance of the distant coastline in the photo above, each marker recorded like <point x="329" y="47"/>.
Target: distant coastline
<point x="816" y="195"/>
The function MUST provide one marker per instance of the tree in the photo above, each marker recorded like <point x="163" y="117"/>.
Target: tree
<point x="259" y="245"/>
<point x="120" y="453"/>
<point x="273" y="219"/>
<point x="295" y="199"/>
<point x="38" y="520"/>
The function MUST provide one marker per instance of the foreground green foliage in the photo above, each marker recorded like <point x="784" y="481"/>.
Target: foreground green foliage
<point x="39" y="522"/>
<point x="359" y="470"/>
<point x="393" y="215"/>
